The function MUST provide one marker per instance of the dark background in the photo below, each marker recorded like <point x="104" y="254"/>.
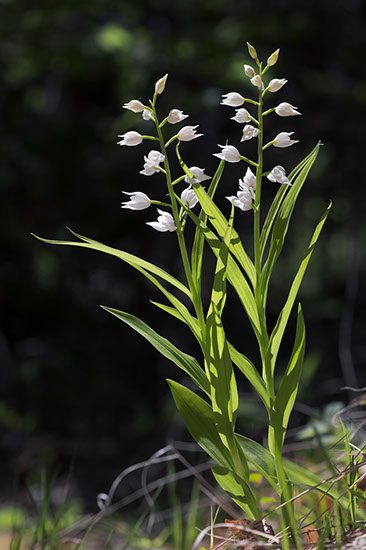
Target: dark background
<point x="77" y="386"/>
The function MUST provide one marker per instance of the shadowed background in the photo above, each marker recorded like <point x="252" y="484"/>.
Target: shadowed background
<point x="77" y="386"/>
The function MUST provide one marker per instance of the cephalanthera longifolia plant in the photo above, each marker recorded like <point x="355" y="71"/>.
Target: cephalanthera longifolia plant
<point x="211" y="420"/>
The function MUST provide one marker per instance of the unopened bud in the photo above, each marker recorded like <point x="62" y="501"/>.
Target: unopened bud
<point x="272" y="60"/>
<point x="252" y="51"/>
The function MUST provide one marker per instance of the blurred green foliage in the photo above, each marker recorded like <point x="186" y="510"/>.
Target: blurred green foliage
<point x="90" y="389"/>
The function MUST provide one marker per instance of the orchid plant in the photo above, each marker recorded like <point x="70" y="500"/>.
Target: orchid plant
<point x="210" y="414"/>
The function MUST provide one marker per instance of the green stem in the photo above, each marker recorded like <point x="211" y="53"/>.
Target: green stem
<point x="196" y="299"/>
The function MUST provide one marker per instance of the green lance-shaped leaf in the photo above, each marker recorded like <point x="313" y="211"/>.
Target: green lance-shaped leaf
<point x="166" y="348"/>
<point x="286" y="395"/>
<point x="199" y="239"/>
<point x="224" y="393"/>
<point x="242" y="362"/>
<point x="220" y="223"/>
<point x="233" y="273"/>
<point x="130" y="259"/>
<point x="263" y="462"/>
<point x="279" y="329"/>
<point x="238" y="489"/>
<point x="200" y="421"/>
<point x="271" y="216"/>
<point x="251" y="374"/>
<point x="281" y="224"/>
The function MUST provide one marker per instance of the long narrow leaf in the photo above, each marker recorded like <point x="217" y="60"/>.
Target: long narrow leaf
<point x="130" y="259"/>
<point x="199" y="240"/>
<point x="279" y="329"/>
<point x="238" y="489"/>
<point x="270" y="218"/>
<point x="233" y="273"/>
<point x="286" y="395"/>
<point x="224" y="393"/>
<point x="251" y="373"/>
<point x="200" y="421"/>
<point x="219" y="222"/>
<point x="166" y="348"/>
<point x="281" y="224"/>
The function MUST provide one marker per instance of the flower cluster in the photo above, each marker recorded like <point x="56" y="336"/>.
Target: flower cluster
<point x="248" y="194"/>
<point x="253" y="128"/>
<point x="154" y="160"/>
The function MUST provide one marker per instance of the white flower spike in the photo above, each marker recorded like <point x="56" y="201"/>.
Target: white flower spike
<point x="249" y="180"/>
<point x="228" y="153"/>
<point x="286" y="109"/>
<point x="257" y="81"/>
<point x="189" y="197"/>
<point x="278" y="174"/>
<point x="138" y="201"/>
<point x="283" y="140"/>
<point x="249" y="71"/>
<point x="276" y="84"/>
<point x="134" y="105"/>
<point x="130" y="139"/>
<point x="160" y="85"/>
<point x="187" y="133"/>
<point x="164" y="223"/>
<point x="199" y="175"/>
<point x="152" y="161"/>
<point x="242" y="116"/>
<point x="249" y="132"/>
<point x="175" y="116"/>
<point x="232" y="99"/>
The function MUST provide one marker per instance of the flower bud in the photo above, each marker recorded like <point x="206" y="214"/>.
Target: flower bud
<point x="130" y="139"/>
<point x="272" y="60"/>
<point x="160" y="85"/>
<point x="134" y="105"/>
<point x="257" y="81"/>
<point x="249" y="71"/>
<point x="276" y="84"/>
<point x="286" y="109"/>
<point x="283" y="140"/>
<point x="252" y="51"/>
<point x="228" y="153"/>
<point x="232" y="99"/>
<point x="187" y="133"/>
<point x="175" y="116"/>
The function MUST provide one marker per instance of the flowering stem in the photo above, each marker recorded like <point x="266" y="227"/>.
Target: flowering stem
<point x="196" y="299"/>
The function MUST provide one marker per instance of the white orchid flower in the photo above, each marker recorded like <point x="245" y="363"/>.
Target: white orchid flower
<point x="232" y="99"/>
<point x="286" y="109"/>
<point x="257" y="81"/>
<point x="242" y="116"/>
<point x="283" y="140"/>
<point x="199" y="175"/>
<point x="175" y="116"/>
<point x="138" y="201"/>
<point x="160" y="84"/>
<point x="134" y="105"/>
<point x="242" y="200"/>
<point x="152" y="161"/>
<point x="187" y="133"/>
<point x="276" y="84"/>
<point x="130" y="139"/>
<point x="249" y="180"/>
<point x="249" y="132"/>
<point x="278" y="174"/>
<point x="249" y="71"/>
<point x="147" y="115"/>
<point x="189" y="197"/>
<point x="228" y="153"/>
<point x="164" y="223"/>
